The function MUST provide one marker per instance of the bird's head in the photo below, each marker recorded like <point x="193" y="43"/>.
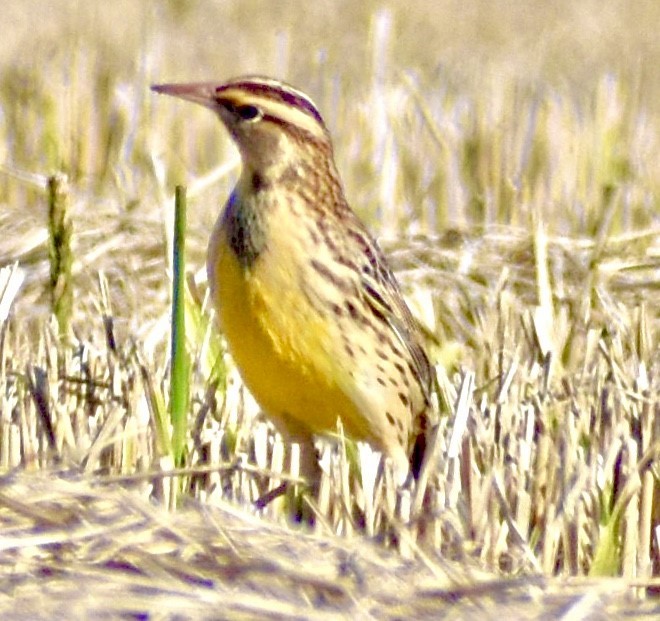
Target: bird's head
<point x="273" y="124"/>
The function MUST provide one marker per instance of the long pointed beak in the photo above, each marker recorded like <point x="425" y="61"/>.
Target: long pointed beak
<point x="202" y="93"/>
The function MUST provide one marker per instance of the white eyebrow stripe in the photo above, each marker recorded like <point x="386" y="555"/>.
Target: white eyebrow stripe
<point x="294" y="116"/>
<point x="287" y="112"/>
<point x="273" y="85"/>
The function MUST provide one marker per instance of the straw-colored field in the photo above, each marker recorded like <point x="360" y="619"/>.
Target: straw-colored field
<point x="507" y="156"/>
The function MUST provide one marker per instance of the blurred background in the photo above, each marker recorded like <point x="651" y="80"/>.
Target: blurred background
<point x="445" y="115"/>
<point x="505" y="154"/>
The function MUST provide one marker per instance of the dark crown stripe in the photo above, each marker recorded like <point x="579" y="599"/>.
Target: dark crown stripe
<point x="277" y="92"/>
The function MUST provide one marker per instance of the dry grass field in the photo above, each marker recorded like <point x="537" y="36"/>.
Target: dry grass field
<point x="507" y="157"/>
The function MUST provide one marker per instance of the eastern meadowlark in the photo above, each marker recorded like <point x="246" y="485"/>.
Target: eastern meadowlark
<point x="311" y="312"/>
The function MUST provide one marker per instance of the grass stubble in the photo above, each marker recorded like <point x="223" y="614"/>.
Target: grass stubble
<point x="523" y="224"/>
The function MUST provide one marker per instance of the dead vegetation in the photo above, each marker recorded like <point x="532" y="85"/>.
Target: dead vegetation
<point x="74" y="548"/>
<point x="524" y="226"/>
<point x="544" y="467"/>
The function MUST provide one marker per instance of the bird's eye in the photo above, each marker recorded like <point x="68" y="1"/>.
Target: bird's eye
<point x="248" y="112"/>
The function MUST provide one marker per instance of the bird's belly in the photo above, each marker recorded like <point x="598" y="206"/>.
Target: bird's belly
<point x="281" y="344"/>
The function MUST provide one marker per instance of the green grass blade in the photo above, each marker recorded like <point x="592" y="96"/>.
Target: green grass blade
<point x="180" y="367"/>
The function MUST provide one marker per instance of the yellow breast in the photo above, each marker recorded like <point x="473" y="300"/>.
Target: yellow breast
<point x="279" y="341"/>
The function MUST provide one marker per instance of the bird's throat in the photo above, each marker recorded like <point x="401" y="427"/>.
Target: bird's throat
<point x="245" y="227"/>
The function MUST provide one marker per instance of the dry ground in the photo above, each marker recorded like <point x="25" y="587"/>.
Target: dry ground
<point x="506" y="155"/>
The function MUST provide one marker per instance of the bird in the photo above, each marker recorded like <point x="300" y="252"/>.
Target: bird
<point x="312" y="313"/>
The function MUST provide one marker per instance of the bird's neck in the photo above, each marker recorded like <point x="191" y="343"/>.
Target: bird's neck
<point x="245" y="225"/>
<point x="258" y="205"/>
